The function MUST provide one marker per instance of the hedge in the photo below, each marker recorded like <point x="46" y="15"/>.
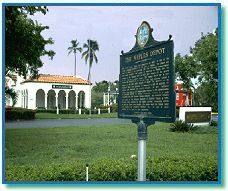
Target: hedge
<point x="160" y="169"/>
<point x="19" y="113"/>
<point x="71" y="111"/>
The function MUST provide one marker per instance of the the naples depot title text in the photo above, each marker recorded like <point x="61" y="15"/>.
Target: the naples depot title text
<point x="144" y="55"/>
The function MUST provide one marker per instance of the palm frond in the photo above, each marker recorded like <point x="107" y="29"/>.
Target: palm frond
<point x="95" y="58"/>
<point x="85" y="53"/>
<point x="86" y="57"/>
<point x="70" y="51"/>
<point x="79" y="49"/>
<point x="85" y="45"/>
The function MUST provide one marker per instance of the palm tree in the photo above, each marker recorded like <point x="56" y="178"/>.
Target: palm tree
<point x="9" y="92"/>
<point x="74" y="48"/>
<point x="90" y="53"/>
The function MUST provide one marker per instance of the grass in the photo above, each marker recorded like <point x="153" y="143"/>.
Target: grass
<point x="73" y="116"/>
<point x="42" y="146"/>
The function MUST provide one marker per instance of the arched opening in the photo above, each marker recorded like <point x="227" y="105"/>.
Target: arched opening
<point x="62" y="99"/>
<point x="81" y="99"/>
<point x="51" y="103"/>
<point x="71" y="100"/>
<point x="40" y="99"/>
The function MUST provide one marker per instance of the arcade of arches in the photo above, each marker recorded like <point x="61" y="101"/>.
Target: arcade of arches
<point x="63" y="99"/>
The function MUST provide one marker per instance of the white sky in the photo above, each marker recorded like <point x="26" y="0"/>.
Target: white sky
<point x="114" y="28"/>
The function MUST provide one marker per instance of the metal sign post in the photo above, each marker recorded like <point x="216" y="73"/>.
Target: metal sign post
<point x="142" y="137"/>
<point x="146" y="86"/>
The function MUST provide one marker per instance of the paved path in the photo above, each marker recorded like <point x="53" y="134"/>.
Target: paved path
<point x="65" y="122"/>
<point x="70" y="122"/>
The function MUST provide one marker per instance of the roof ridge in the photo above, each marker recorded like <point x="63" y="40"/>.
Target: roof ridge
<point x="59" y="79"/>
<point x="57" y="75"/>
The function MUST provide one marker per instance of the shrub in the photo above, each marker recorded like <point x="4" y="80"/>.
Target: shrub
<point x="67" y="111"/>
<point x="45" y="110"/>
<point x="213" y="123"/>
<point x="19" y="113"/>
<point x="104" y="111"/>
<point x="182" y="126"/>
<point x="182" y="169"/>
<point x="169" y="168"/>
<point x="114" y="108"/>
<point x="102" y="107"/>
<point x="61" y="111"/>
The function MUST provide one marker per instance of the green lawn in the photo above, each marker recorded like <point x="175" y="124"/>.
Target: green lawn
<point x="73" y="116"/>
<point x="40" y="146"/>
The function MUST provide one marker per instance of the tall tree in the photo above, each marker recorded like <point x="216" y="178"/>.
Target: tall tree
<point x="202" y="65"/>
<point x="24" y="44"/>
<point x="74" y="48"/>
<point x="205" y="54"/>
<point x="90" y="54"/>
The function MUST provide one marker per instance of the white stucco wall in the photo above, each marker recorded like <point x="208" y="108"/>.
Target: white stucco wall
<point x="33" y="87"/>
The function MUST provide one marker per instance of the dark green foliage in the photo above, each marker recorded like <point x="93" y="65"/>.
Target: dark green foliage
<point x="19" y="113"/>
<point x="12" y="94"/>
<point x="40" y="110"/>
<point x="206" y="95"/>
<point x="182" y="169"/>
<point x="177" y="112"/>
<point x="182" y="126"/>
<point x="214" y="123"/>
<point x="94" y="111"/>
<point x="73" y="111"/>
<point x="186" y="69"/>
<point x="67" y="111"/>
<point x="24" y="44"/>
<point x="201" y="64"/>
<point x="100" y="88"/>
<point x="168" y="168"/>
<point x="97" y="98"/>
<point x="103" y="86"/>
<point x="61" y="111"/>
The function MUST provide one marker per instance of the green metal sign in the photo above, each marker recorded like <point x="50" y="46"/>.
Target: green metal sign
<point x="146" y="88"/>
<point x="61" y="87"/>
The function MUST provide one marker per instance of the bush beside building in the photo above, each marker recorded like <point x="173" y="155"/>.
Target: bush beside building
<point x="19" y="113"/>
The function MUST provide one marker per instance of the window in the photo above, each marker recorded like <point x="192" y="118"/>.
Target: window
<point x="177" y="96"/>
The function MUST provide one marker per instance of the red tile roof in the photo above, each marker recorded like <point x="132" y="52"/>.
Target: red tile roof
<point x="47" y="78"/>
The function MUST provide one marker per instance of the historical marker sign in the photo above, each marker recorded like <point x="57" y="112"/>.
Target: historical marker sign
<point x="147" y="79"/>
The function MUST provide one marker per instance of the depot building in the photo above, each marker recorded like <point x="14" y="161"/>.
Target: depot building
<point x="50" y="91"/>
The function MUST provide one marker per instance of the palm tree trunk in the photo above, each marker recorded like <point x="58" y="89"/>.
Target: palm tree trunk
<point x="89" y="78"/>
<point x="74" y="64"/>
<point x="89" y="75"/>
